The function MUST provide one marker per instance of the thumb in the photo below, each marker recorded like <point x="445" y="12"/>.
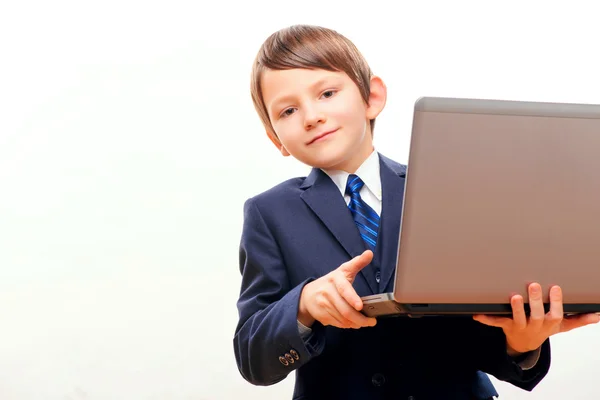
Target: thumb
<point x="353" y="267"/>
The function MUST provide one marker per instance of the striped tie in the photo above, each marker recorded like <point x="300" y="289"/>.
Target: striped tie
<point x="365" y="217"/>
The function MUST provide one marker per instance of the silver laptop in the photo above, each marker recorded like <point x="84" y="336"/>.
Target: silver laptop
<point x="498" y="194"/>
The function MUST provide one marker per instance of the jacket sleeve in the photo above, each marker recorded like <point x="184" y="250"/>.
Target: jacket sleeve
<point x="491" y="357"/>
<point x="267" y="341"/>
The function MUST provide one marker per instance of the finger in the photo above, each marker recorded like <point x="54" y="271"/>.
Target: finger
<point x="347" y="292"/>
<point x="498" y="322"/>
<point x="556" y="313"/>
<point x="518" y="312"/>
<point x="332" y="316"/>
<point x="578" y="321"/>
<point x="337" y="320"/>
<point x="330" y="304"/>
<point x="327" y="317"/>
<point x="350" y="314"/>
<point x="353" y="267"/>
<point x="326" y="313"/>
<point x="536" y="304"/>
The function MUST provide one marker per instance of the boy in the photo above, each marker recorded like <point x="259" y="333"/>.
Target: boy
<point x="311" y="247"/>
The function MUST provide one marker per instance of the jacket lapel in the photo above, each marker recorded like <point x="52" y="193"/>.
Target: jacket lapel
<point x="325" y="200"/>
<point x="392" y="182"/>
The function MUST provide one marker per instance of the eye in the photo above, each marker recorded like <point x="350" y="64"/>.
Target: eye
<point x="286" y="113"/>
<point x="329" y="93"/>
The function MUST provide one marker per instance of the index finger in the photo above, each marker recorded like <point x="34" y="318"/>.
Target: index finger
<point x="353" y="267"/>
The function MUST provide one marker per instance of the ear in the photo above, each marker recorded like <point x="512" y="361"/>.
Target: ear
<point x="277" y="143"/>
<point x="377" y="97"/>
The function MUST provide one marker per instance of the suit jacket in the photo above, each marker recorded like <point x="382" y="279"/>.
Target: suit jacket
<point x="301" y="230"/>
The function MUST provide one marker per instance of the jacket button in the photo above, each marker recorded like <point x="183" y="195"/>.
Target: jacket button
<point x="295" y="354"/>
<point x="289" y="358"/>
<point x="283" y="361"/>
<point x="378" y="276"/>
<point x="378" y="380"/>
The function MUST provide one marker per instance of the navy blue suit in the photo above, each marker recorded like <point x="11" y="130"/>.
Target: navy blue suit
<point x="301" y="230"/>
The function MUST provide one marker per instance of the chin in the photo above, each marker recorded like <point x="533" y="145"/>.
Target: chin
<point x="325" y="161"/>
<point x="329" y="164"/>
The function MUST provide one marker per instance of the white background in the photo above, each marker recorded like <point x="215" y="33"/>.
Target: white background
<point x="128" y="144"/>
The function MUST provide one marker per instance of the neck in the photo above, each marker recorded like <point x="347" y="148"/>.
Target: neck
<point x="352" y="164"/>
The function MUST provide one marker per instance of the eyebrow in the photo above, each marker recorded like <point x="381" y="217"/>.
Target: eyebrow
<point x="275" y="104"/>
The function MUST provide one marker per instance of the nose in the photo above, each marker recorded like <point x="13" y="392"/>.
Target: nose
<point x="313" y="117"/>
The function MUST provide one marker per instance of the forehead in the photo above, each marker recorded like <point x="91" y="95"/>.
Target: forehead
<point x="277" y="85"/>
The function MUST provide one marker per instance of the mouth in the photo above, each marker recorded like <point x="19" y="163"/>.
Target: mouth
<point x="321" y="136"/>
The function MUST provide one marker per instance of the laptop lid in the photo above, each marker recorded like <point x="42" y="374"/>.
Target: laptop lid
<point x="500" y="194"/>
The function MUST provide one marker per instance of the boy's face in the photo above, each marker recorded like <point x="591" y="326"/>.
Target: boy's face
<point x="320" y="118"/>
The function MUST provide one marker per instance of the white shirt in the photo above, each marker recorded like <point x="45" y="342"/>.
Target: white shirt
<point x="369" y="173"/>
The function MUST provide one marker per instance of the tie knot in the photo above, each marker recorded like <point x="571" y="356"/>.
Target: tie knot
<point x="354" y="184"/>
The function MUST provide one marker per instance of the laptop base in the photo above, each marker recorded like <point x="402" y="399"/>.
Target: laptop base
<point x="385" y="306"/>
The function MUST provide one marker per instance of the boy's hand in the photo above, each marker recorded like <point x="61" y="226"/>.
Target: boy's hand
<point x="332" y="300"/>
<point x="527" y="334"/>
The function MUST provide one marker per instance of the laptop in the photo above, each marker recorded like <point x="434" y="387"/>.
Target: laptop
<point x="498" y="194"/>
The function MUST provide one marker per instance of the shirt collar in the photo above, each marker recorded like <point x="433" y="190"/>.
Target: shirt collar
<point x="368" y="172"/>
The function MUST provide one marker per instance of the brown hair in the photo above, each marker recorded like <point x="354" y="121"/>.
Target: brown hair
<point x="309" y="47"/>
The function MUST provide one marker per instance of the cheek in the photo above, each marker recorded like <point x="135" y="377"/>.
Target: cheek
<point x="348" y="111"/>
<point x="291" y="133"/>
<point x="289" y="140"/>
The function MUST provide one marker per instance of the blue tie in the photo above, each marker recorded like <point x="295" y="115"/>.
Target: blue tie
<point x="365" y="218"/>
